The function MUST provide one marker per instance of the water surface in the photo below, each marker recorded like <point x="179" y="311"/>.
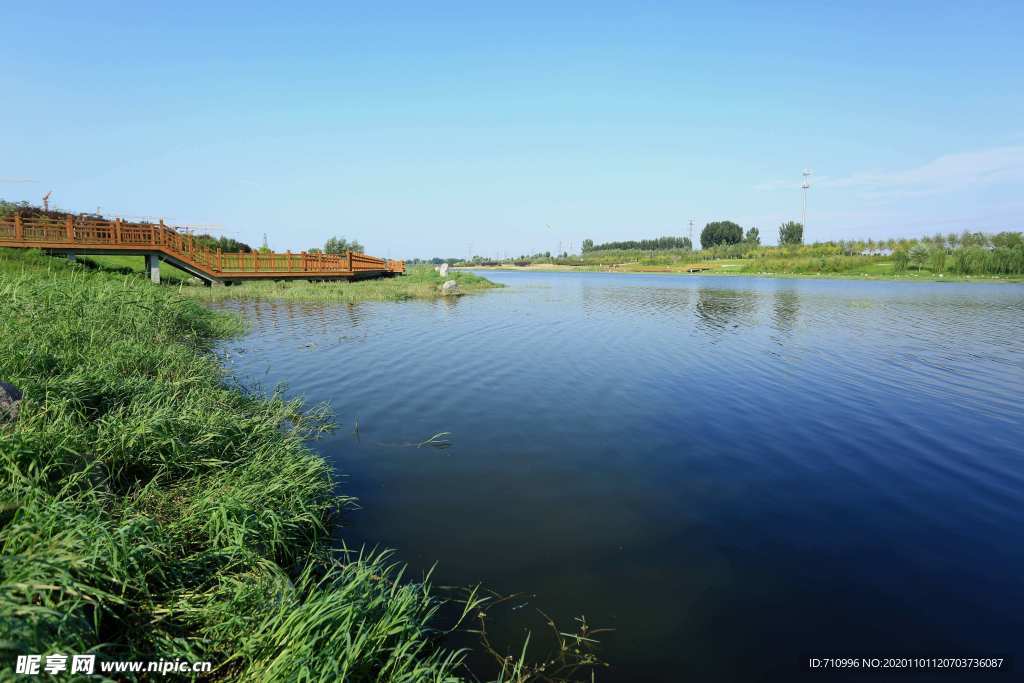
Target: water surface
<point x="733" y="473"/>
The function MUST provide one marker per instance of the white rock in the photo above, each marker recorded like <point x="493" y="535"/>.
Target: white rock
<point x="450" y="287"/>
<point x="443" y="270"/>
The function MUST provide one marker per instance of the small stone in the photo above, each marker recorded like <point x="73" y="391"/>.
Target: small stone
<point x="10" y="400"/>
<point x="450" y="287"/>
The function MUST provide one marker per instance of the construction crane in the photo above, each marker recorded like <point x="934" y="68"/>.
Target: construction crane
<point x="46" y="200"/>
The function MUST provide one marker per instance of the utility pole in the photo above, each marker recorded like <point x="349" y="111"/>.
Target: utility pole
<point x="806" y="185"/>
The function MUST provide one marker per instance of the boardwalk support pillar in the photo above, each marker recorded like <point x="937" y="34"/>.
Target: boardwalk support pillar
<point x="71" y="257"/>
<point x="153" y="267"/>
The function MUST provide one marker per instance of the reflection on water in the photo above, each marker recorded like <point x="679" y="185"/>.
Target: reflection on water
<point x="730" y="472"/>
<point x="719" y="309"/>
<point x="785" y="309"/>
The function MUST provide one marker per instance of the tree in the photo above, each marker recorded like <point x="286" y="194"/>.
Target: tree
<point x="791" y="233"/>
<point x="720" y="232"/>
<point x="339" y="245"/>
<point x="753" y="237"/>
<point x="899" y="260"/>
<point x="654" y="244"/>
<point x="1008" y="240"/>
<point x="225" y="244"/>
<point x="918" y="255"/>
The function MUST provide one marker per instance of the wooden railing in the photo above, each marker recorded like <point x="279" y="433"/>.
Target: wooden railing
<point x="89" y="232"/>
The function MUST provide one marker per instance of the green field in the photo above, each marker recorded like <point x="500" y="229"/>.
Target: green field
<point x="135" y="264"/>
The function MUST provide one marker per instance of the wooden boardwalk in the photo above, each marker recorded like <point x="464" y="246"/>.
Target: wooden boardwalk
<point x="85" y="234"/>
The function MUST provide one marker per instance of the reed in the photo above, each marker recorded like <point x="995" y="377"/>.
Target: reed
<point x="151" y="511"/>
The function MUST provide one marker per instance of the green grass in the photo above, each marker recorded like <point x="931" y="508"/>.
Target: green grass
<point x="148" y="510"/>
<point x="420" y="282"/>
<point x="134" y="264"/>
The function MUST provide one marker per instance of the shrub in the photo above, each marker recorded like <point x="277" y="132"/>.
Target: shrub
<point x="900" y="259"/>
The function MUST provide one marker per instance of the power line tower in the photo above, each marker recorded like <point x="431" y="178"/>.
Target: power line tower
<point x="806" y="185"/>
<point x="691" y="233"/>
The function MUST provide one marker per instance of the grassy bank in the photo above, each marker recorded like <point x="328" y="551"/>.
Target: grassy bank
<point x="418" y="283"/>
<point x="421" y="282"/>
<point x="150" y="511"/>
<point x="839" y="267"/>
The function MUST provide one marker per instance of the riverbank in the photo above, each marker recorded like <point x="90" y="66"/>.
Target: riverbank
<point x="150" y="511"/>
<point x="420" y="282"/>
<point x="873" y="270"/>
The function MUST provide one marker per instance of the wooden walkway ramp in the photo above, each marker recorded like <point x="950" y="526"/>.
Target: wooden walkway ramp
<point x="85" y="234"/>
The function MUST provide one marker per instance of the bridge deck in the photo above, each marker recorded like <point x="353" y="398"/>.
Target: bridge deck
<point x="90" y="235"/>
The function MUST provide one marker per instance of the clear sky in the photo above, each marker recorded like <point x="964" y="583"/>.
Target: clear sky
<point x="427" y="127"/>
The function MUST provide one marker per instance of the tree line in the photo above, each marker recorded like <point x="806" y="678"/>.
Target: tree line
<point x="655" y="244"/>
<point x="724" y="233"/>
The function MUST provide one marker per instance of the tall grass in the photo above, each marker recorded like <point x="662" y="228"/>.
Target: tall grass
<point x="994" y="261"/>
<point x="148" y="510"/>
<point x="421" y="282"/>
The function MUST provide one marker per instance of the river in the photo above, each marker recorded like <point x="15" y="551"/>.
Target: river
<point x="733" y="473"/>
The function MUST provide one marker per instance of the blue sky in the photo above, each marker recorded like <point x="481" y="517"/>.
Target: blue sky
<point x="424" y="128"/>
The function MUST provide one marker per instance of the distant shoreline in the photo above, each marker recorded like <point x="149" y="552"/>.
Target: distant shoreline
<point x="719" y="270"/>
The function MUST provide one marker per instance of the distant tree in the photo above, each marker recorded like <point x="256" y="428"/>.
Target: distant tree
<point x="1008" y="240"/>
<point x="225" y="244"/>
<point x="918" y="255"/>
<point x="973" y="239"/>
<point x="339" y="245"/>
<point x="752" y="237"/>
<point x="720" y="232"/>
<point x="588" y="245"/>
<point x="791" y="233"/>
<point x="315" y="250"/>
<point x="937" y="259"/>
<point x="900" y="259"/>
<point x="655" y="244"/>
